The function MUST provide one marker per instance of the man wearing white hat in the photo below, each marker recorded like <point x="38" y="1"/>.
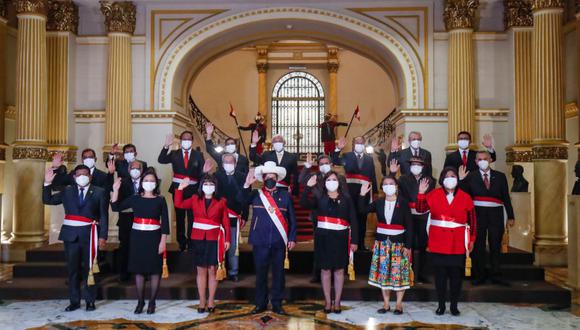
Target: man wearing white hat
<point x="272" y="232"/>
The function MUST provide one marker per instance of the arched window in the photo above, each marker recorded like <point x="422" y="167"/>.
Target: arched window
<point x="297" y="110"/>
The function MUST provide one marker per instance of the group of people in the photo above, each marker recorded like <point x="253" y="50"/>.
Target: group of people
<point x="441" y="224"/>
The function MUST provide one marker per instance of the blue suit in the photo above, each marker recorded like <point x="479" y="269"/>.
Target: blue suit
<point x="77" y="239"/>
<point x="268" y="245"/>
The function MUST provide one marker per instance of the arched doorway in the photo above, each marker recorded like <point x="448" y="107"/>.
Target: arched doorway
<point x="297" y="110"/>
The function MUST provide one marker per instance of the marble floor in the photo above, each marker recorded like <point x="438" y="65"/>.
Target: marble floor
<point x="173" y="314"/>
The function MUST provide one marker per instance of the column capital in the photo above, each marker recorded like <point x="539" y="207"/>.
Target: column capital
<point x="332" y="60"/>
<point x="460" y="14"/>
<point x="31" y="7"/>
<point x="547" y="4"/>
<point x="518" y="13"/>
<point x="262" y="67"/>
<point x="120" y="16"/>
<point x="63" y="16"/>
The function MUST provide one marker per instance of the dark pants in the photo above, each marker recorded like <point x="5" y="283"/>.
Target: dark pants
<point x="361" y="216"/>
<point x="420" y="244"/>
<point x="77" y="260"/>
<point x="490" y="229"/>
<point x="125" y="224"/>
<point x="264" y="258"/>
<point x="182" y="233"/>
<point x="454" y="275"/>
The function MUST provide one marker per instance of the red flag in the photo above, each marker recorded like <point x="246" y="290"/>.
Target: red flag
<point x="232" y="112"/>
<point x="357" y="113"/>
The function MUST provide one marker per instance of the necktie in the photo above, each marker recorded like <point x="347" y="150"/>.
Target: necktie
<point x="464" y="158"/>
<point x="486" y="181"/>
<point x="81" y="196"/>
<point x="186" y="158"/>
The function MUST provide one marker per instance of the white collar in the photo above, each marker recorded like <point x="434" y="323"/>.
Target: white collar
<point x="357" y="154"/>
<point x="85" y="188"/>
<point x="483" y="173"/>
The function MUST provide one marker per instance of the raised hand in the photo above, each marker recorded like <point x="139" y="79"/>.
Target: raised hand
<point x="251" y="177"/>
<point x="463" y="172"/>
<point x="394" y="166"/>
<point x="312" y="181"/>
<point x="365" y="188"/>
<point x="168" y="140"/>
<point x="207" y="166"/>
<point x="341" y="143"/>
<point x="117" y="184"/>
<point x="209" y="130"/>
<point x="57" y="159"/>
<point x="423" y="185"/>
<point x="49" y="175"/>
<point x="395" y="145"/>
<point x="255" y="137"/>
<point x="487" y="141"/>
<point x="111" y="166"/>
<point x="184" y="183"/>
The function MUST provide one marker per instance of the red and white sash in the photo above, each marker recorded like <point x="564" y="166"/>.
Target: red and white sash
<point x="146" y="224"/>
<point x="274" y="213"/>
<point x="413" y="208"/>
<point x="234" y="215"/>
<point x="389" y="230"/>
<point x="331" y="223"/>
<point x="208" y="224"/>
<point x="448" y="223"/>
<point x="357" y="178"/>
<point x="178" y="178"/>
<point x="484" y="201"/>
<point x="80" y="221"/>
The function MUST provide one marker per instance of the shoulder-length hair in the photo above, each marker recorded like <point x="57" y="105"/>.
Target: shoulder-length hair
<point x="326" y="176"/>
<point x="150" y="171"/>
<point x="444" y="173"/>
<point x="207" y="178"/>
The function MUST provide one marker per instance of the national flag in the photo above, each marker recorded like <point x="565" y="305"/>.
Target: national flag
<point x="232" y="112"/>
<point x="357" y="113"/>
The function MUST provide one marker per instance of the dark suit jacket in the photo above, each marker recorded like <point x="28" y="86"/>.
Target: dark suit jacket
<point x="349" y="161"/>
<point x="100" y="179"/>
<point x="474" y="186"/>
<point x="409" y="186"/>
<point x="122" y="167"/>
<point x="127" y="190"/>
<point x="194" y="167"/>
<point x="453" y="159"/>
<point x="289" y="162"/>
<point x="95" y="206"/>
<point x="403" y="157"/>
<point x="401" y="216"/>
<point x="318" y="190"/>
<point x="242" y="164"/>
<point x="229" y="190"/>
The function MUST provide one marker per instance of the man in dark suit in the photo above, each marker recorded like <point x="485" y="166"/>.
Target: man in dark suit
<point x="186" y="163"/>
<point x="465" y="157"/>
<point x="359" y="168"/>
<point x="242" y="164"/>
<point x="230" y="183"/>
<point x="85" y="226"/>
<point x="409" y="187"/>
<point x="403" y="156"/>
<point x="272" y="233"/>
<point x="129" y="187"/>
<point x="122" y="165"/>
<point x="287" y="160"/>
<point x="257" y="127"/>
<point x="490" y="193"/>
<point x="89" y="159"/>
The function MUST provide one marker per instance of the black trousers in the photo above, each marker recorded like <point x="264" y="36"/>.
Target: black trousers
<point x="420" y="244"/>
<point x="183" y="233"/>
<point x="264" y="258"/>
<point x="77" y="260"/>
<point x="361" y="216"/>
<point x="125" y="224"/>
<point x="490" y="229"/>
<point x="453" y="275"/>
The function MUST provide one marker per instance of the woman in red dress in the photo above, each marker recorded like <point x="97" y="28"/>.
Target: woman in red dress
<point x="210" y="235"/>
<point x="451" y="230"/>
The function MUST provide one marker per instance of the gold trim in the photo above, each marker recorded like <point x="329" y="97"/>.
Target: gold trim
<point x="460" y="14"/>
<point x="62" y="16"/>
<point x="417" y="23"/>
<point x="550" y="152"/>
<point x="32" y="153"/>
<point x="10" y="112"/>
<point x="547" y="4"/>
<point x="120" y="16"/>
<point x="517" y="13"/>
<point x="30" y="7"/>
<point x="519" y="154"/>
<point x="161" y="20"/>
<point x="571" y="110"/>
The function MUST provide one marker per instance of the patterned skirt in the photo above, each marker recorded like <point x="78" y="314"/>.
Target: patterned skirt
<point x="390" y="269"/>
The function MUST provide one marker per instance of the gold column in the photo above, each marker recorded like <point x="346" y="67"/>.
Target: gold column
<point x="332" y="80"/>
<point x="120" y="23"/>
<point x="29" y="151"/>
<point x="459" y="22"/>
<point x="262" y="67"/>
<point x="62" y="26"/>
<point x="578" y="69"/>
<point x="3" y="146"/>
<point x="550" y="146"/>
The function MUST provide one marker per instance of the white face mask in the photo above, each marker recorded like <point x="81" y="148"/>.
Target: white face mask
<point x="149" y="186"/>
<point x="359" y="148"/>
<point x="389" y="189"/>
<point x="278" y="146"/>
<point x="135" y="173"/>
<point x="186" y="144"/>
<point x="89" y="162"/>
<point x="325" y="168"/>
<point x="208" y="189"/>
<point x="415" y="144"/>
<point x="416" y="169"/>
<point x="450" y="183"/>
<point x="483" y="164"/>
<point x="331" y="185"/>
<point x="230" y="148"/>
<point x="229" y="168"/>
<point x="82" y="180"/>
<point x="463" y="144"/>
<point x="129" y="156"/>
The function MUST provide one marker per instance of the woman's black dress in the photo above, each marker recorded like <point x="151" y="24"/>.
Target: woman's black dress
<point x="144" y="245"/>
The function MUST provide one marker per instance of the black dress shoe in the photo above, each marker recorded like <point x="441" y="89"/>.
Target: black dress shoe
<point x="139" y="308"/>
<point x="454" y="311"/>
<point x="72" y="307"/>
<point x="151" y="307"/>
<point x="327" y="311"/>
<point x="383" y="310"/>
<point x="182" y="247"/>
<point x="258" y="310"/>
<point x="211" y="309"/>
<point x="90" y="306"/>
<point x="498" y="281"/>
<point x="279" y="310"/>
<point x="201" y="310"/>
<point x="398" y="311"/>
<point x="233" y="278"/>
<point x="440" y="310"/>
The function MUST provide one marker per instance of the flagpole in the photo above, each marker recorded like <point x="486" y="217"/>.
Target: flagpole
<point x="349" y="124"/>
